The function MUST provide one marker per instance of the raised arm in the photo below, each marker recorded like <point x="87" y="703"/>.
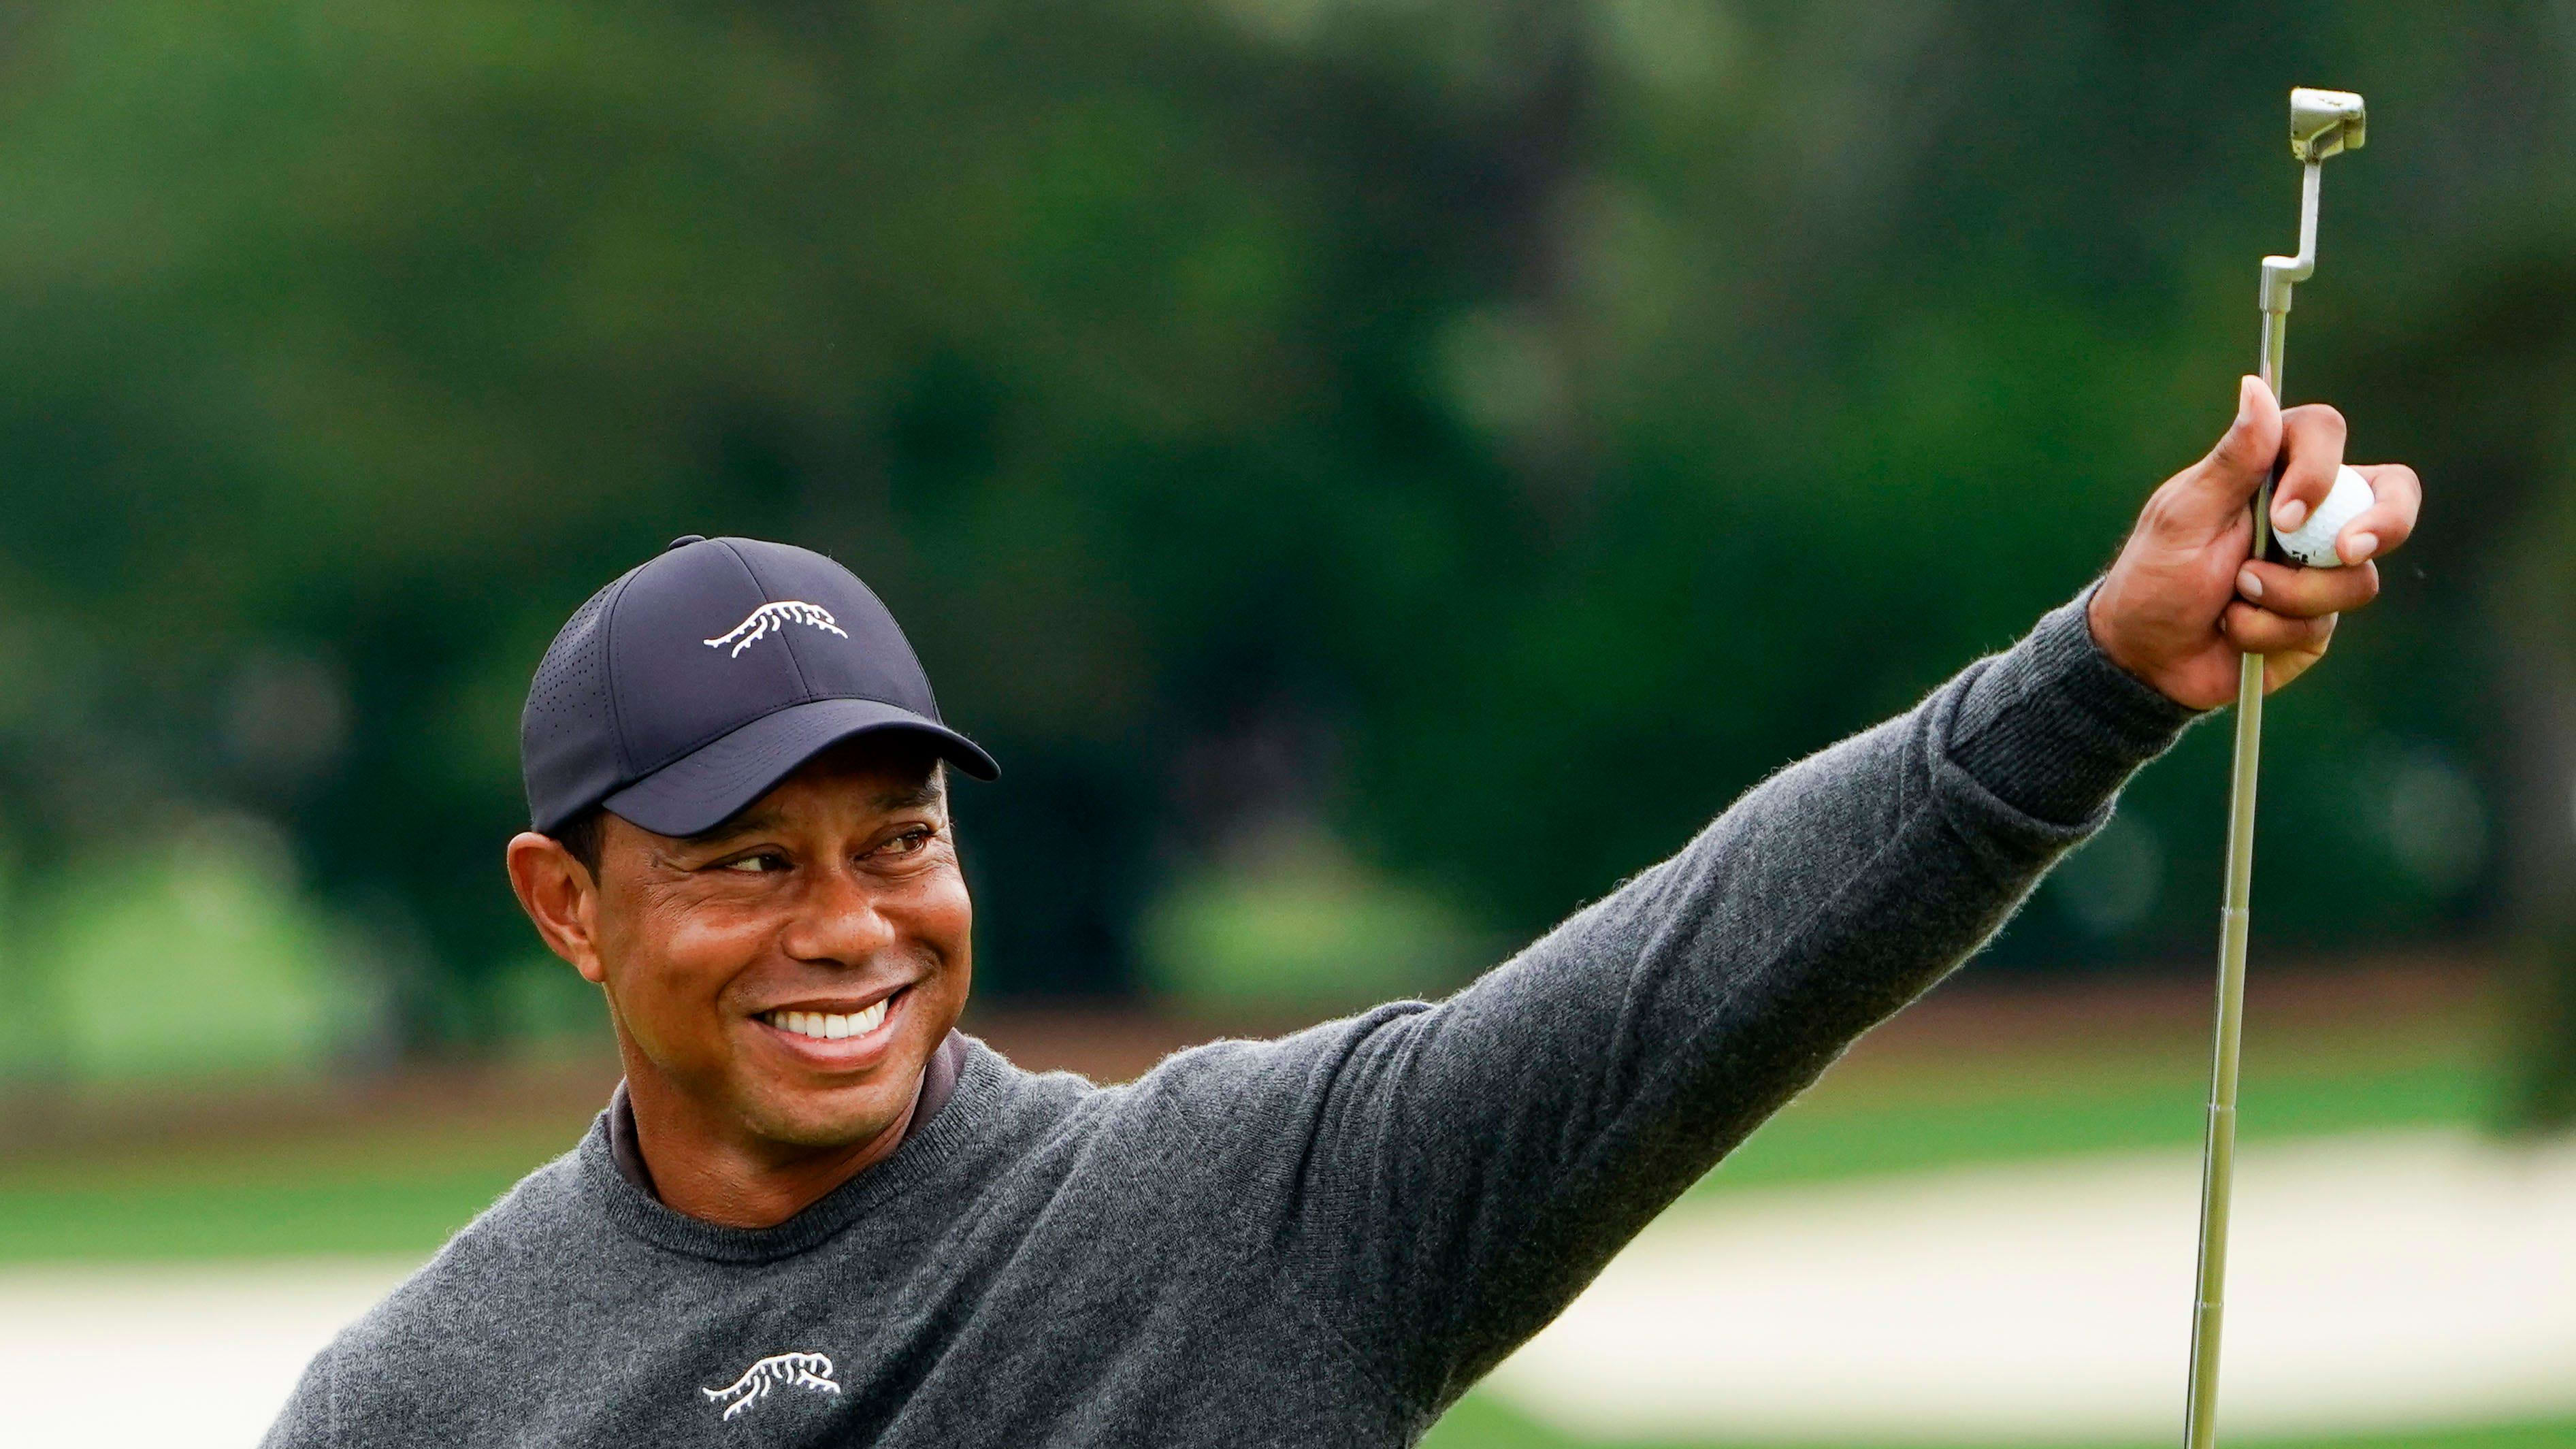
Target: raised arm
<point x="1480" y="1159"/>
<point x="1461" y="1170"/>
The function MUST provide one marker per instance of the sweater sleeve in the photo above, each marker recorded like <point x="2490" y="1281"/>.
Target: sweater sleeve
<point x="1468" y="1167"/>
<point x="306" y="1422"/>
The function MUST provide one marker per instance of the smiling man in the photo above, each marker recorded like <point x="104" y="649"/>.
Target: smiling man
<point x="779" y="979"/>
<point x="817" y="1214"/>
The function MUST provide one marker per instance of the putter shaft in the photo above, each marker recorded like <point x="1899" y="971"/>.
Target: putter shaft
<point x="2218" y="1150"/>
<point x="2322" y="124"/>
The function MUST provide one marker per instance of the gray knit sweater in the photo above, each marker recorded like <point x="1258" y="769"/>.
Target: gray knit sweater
<point x="1320" y="1240"/>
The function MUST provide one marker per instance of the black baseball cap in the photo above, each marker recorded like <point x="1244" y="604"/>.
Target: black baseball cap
<point x="686" y="689"/>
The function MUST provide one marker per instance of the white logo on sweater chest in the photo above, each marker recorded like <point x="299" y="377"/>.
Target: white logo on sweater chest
<point x="779" y="1370"/>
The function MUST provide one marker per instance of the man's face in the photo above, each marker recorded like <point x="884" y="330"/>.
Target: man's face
<point x="793" y="970"/>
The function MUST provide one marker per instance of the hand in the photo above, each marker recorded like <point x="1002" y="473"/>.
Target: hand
<point x="2184" y="601"/>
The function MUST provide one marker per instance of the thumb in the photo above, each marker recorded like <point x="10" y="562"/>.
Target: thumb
<point x="2243" y="457"/>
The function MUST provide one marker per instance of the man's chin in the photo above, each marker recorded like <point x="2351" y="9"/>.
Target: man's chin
<point x="824" y="1121"/>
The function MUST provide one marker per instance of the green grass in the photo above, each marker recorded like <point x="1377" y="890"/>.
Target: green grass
<point x="398" y="1184"/>
<point x="2115" y="1108"/>
<point x="393" y="1213"/>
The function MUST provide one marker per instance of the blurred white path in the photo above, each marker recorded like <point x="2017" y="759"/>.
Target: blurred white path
<point x="178" y="1355"/>
<point x="2375" y="1282"/>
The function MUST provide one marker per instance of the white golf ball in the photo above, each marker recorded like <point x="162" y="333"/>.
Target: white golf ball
<point x="2313" y="541"/>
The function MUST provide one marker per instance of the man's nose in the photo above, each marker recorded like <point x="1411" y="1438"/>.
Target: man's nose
<point x="840" y="922"/>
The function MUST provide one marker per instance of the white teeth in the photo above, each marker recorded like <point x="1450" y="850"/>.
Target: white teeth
<point x="829" y="1026"/>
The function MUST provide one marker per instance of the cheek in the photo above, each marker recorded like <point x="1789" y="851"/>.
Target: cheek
<point x="697" y="938"/>
<point x="941" y="925"/>
<point x="944" y="919"/>
<point x="933" y="921"/>
<point x="671" y="962"/>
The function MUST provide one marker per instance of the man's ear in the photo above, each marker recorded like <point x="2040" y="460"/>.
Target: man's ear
<point x="561" y="900"/>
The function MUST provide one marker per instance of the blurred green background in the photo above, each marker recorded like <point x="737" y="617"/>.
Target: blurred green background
<point x="1375" y="471"/>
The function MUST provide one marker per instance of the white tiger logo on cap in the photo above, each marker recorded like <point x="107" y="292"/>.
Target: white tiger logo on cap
<point x="771" y="616"/>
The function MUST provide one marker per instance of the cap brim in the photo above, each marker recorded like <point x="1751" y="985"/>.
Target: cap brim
<point x="698" y="791"/>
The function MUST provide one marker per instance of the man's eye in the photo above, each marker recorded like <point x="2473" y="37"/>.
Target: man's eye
<point x="759" y="864"/>
<point x="910" y="842"/>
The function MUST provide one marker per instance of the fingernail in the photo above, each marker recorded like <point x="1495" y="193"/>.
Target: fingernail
<point x="2249" y="584"/>
<point x="2245" y="399"/>
<point x="2289" y="515"/>
<point x="2360" y="546"/>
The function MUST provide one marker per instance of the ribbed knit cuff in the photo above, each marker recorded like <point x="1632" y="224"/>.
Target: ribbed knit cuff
<point x="2054" y="728"/>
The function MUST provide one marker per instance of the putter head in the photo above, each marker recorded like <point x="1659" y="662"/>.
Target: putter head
<point x="2325" y="123"/>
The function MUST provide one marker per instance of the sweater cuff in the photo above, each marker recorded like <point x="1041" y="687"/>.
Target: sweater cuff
<point x="2054" y="728"/>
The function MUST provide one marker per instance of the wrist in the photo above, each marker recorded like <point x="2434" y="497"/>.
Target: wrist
<point x="2103" y="624"/>
<point x="2055" y="724"/>
<point x="2103" y="621"/>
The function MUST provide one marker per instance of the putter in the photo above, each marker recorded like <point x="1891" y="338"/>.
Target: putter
<point x="2322" y="124"/>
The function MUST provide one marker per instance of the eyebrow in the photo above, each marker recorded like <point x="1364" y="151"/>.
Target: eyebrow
<point x="911" y="797"/>
<point x="728" y="829"/>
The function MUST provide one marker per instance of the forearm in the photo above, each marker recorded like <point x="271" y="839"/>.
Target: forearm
<point x="1841" y="888"/>
<point x="1527" y="1127"/>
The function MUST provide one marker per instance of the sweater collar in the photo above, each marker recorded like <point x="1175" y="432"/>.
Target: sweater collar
<point x="981" y="1082"/>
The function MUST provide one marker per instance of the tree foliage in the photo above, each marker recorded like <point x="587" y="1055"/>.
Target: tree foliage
<point x="1492" y="433"/>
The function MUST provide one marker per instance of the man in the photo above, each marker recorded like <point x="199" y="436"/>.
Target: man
<point x="816" y="1214"/>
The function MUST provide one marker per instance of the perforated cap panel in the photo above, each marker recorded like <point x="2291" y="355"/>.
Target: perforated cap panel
<point x="568" y="730"/>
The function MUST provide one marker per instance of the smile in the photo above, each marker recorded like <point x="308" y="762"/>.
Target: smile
<point x="828" y="1025"/>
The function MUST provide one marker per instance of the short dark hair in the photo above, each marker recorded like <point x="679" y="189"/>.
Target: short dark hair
<point x="583" y="837"/>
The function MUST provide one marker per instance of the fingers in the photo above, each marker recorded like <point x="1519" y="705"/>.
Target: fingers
<point x="2385" y="524"/>
<point x="2220" y="486"/>
<point x="2260" y="631"/>
<point x="2297" y="593"/>
<point x="2312" y="439"/>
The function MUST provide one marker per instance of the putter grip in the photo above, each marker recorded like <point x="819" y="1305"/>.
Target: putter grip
<point x="2271" y="552"/>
